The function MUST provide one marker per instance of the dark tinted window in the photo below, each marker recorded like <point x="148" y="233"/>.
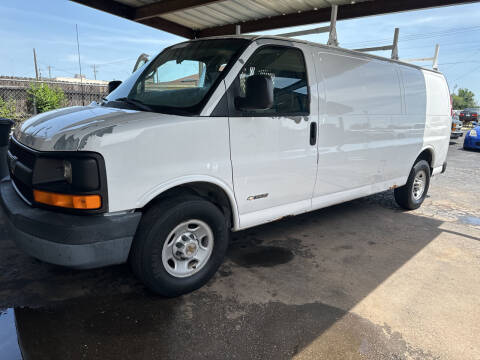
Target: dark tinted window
<point x="286" y="67"/>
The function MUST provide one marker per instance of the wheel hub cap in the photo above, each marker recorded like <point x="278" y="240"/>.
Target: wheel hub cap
<point x="187" y="248"/>
<point x="419" y="184"/>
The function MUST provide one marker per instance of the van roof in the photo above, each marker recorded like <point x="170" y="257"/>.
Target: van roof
<point x="322" y="46"/>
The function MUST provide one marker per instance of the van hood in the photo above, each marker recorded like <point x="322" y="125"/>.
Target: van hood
<point x="69" y="129"/>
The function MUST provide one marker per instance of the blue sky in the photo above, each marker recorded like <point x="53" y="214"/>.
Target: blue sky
<point x="113" y="44"/>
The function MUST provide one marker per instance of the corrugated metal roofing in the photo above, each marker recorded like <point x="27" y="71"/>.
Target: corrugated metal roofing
<point x="237" y="11"/>
<point x="202" y="18"/>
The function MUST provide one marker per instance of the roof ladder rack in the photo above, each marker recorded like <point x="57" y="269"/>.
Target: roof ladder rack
<point x="393" y="47"/>
<point x="332" y="29"/>
<point x="433" y="59"/>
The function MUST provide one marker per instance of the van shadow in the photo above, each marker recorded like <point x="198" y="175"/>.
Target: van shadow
<point x="282" y="286"/>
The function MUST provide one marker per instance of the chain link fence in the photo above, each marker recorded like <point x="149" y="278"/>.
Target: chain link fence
<point x="15" y="97"/>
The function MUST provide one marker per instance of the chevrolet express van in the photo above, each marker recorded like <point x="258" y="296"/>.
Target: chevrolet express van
<point x="217" y="135"/>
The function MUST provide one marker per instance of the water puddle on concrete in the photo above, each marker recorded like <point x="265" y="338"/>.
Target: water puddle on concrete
<point x="472" y="220"/>
<point x="9" y="349"/>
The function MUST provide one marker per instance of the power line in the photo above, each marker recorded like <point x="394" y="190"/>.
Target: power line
<point x="466" y="73"/>
<point x="418" y="36"/>
<point x="460" y="62"/>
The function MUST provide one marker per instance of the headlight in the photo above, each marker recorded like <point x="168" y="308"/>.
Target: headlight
<point x="75" y="174"/>
<point x="70" y="181"/>
<point x="473" y="132"/>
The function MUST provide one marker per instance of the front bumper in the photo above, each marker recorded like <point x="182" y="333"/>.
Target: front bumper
<point x="77" y="241"/>
<point x="456" y="134"/>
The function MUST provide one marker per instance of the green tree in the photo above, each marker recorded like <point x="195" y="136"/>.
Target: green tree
<point x="463" y="99"/>
<point x="8" y="109"/>
<point x="45" y="98"/>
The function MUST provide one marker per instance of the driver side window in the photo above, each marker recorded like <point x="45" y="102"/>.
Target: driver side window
<point x="286" y="67"/>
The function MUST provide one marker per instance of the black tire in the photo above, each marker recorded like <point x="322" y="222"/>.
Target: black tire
<point x="404" y="196"/>
<point x="156" y="224"/>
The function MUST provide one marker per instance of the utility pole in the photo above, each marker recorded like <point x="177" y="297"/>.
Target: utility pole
<point x="35" y="62"/>
<point x="36" y="77"/>
<point x="94" y="72"/>
<point x="49" y="71"/>
<point x="80" y="66"/>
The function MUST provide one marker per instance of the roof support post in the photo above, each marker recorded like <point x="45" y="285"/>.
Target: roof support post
<point x="395" y="44"/>
<point x="435" y="57"/>
<point x="332" y="38"/>
<point x="238" y="29"/>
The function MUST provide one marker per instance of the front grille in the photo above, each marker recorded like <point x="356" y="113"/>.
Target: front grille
<point x="24" y="155"/>
<point x="21" y="164"/>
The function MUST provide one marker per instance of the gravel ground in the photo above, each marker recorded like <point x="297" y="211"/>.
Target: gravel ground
<point x="361" y="280"/>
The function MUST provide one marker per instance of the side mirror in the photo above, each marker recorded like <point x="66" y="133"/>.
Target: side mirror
<point x="112" y="85"/>
<point x="258" y="94"/>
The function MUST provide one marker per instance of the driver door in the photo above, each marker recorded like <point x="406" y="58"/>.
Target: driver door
<point x="273" y="151"/>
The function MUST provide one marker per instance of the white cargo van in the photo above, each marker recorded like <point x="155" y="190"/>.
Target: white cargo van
<point x="214" y="135"/>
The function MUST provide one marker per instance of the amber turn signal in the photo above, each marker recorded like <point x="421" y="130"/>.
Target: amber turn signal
<point x="83" y="202"/>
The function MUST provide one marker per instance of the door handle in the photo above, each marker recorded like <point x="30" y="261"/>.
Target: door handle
<point x="313" y="133"/>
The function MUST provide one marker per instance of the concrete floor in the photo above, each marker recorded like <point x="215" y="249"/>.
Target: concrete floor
<point x="361" y="280"/>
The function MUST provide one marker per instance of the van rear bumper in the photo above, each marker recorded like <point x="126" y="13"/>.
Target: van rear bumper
<point x="77" y="241"/>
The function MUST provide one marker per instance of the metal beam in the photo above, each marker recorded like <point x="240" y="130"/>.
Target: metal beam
<point x="375" y="48"/>
<point x="128" y="12"/>
<point x="350" y="11"/>
<point x="169" y="26"/>
<point x="393" y="47"/>
<point x="110" y="6"/>
<point x="433" y="59"/>
<point x="167" y="6"/>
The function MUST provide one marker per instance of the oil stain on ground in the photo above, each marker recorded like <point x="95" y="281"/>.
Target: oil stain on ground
<point x="260" y="256"/>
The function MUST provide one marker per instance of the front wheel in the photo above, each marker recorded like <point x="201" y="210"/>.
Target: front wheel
<point x="179" y="246"/>
<point x="413" y="193"/>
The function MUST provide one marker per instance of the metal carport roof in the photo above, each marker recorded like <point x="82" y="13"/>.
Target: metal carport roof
<point x="200" y="18"/>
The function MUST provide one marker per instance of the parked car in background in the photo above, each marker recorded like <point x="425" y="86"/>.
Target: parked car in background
<point x="469" y="114"/>
<point x="472" y="139"/>
<point x="456" y="127"/>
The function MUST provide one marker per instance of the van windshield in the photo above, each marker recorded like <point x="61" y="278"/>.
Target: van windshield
<point x="181" y="78"/>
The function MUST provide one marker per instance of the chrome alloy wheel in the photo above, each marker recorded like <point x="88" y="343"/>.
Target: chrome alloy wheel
<point x="419" y="184"/>
<point x="188" y="248"/>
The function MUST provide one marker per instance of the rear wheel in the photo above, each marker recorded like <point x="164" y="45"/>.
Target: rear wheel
<point x="179" y="246"/>
<point x="413" y="193"/>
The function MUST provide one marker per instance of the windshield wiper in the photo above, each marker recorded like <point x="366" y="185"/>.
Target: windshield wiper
<point x="137" y="103"/>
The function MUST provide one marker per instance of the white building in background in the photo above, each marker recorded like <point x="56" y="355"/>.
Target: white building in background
<point x="83" y="79"/>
